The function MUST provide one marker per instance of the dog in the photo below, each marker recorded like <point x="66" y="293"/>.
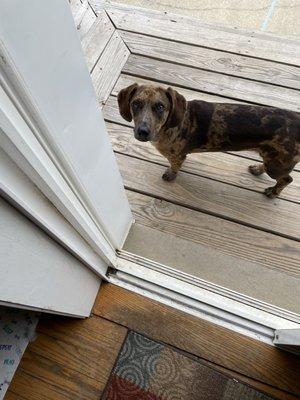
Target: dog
<point x="177" y="127"/>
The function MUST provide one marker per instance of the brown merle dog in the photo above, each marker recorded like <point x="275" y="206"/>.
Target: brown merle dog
<point x="177" y="127"/>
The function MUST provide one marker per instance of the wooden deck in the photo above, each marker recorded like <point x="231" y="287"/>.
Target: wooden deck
<point x="72" y="359"/>
<point x="215" y="210"/>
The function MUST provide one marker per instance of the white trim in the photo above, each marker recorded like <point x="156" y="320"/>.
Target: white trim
<point x="157" y="283"/>
<point x="18" y="189"/>
<point x="287" y="337"/>
<point x="20" y="144"/>
<point x="211" y="287"/>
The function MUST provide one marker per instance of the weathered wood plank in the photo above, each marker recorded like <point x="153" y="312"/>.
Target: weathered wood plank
<point x="274" y="252"/>
<point x="70" y="359"/>
<point x="211" y="342"/>
<point x="229" y="202"/>
<point x="221" y="167"/>
<point x="75" y="5"/>
<point x="207" y="81"/>
<point x="109" y="66"/>
<point x="126" y="80"/>
<point x="191" y="30"/>
<point x="213" y="60"/>
<point x="84" y="19"/>
<point x="96" y="39"/>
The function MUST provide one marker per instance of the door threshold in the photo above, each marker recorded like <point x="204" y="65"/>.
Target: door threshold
<point x="201" y="298"/>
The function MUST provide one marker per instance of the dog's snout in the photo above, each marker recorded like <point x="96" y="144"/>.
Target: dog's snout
<point x="143" y="133"/>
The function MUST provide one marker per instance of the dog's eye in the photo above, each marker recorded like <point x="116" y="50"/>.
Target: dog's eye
<point x="159" y="107"/>
<point x="136" y="105"/>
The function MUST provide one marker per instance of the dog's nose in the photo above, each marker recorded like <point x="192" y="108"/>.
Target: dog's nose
<point x="143" y="133"/>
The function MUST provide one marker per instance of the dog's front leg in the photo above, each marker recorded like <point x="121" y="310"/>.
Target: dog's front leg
<point x="175" y="165"/>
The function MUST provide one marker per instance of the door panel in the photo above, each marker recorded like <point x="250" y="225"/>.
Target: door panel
<point x="45" y="66"/>
<point x="37" y="273"/>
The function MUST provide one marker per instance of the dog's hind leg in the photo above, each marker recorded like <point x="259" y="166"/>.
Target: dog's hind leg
<point x="281" y="183"/>
<point x="175" y="165"/>
<point x="257" y="169"/>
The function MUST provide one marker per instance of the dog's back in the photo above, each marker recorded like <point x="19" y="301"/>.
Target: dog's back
<point x="220" y="127"/>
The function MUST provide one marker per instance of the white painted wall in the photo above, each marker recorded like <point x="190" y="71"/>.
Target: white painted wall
<point x="38" y="273"/>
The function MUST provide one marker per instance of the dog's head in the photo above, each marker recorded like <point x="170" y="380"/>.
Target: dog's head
<point x="151" y="108"/>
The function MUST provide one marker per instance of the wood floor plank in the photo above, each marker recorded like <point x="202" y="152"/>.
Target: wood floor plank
<point x="96" y="39"/>
<point x="229" y="202"/>
<point x="109" y="66"/>
<point x="90" y="346"/>
<point x="274" y="252"/>
<point x="12" y="396"/>
<point x="53" y="381"/>
<point x="206" y="340"/>
<point x="84" y="18"/>
<point x="213" y="60"/>
<point x="22" y="382"/>
<point x="207" y="81"/>
<point x="222" y="167"/>
<point x="70" y="359"/>
<point x="191" y="30"/>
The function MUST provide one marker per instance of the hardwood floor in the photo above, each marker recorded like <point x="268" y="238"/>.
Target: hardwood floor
<point x="72" y="359"/>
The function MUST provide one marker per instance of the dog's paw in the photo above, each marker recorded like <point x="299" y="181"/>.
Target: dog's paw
<point x="256" y="169"/>
<point x="169" y="175"/>
<point x="270" y="192"/>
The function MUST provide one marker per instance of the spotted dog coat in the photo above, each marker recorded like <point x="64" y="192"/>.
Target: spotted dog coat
<point x="177" y="128"/>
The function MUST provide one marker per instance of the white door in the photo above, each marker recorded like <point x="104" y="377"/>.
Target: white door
<point x="57" y="164"/>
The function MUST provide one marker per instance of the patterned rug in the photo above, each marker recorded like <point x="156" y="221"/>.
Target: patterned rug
<point x="147" y="370"/>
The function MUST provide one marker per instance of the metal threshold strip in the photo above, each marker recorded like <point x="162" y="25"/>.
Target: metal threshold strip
<point x="200" y="298"/>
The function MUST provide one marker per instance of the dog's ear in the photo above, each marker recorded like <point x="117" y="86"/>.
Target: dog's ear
<point x="124" y="97"/>
<point x="178" y="108"/>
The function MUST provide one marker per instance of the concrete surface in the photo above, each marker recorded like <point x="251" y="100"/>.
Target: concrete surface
<point x="276" y="16"/>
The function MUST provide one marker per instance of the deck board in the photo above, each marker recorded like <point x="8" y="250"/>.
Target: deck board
<point x="236" y="240"/>
<point x="96" y="39"/>
<point x="84" y="18"/>
<point x="277" y="216"/>
<point x="213" y="83"/>
<point x="213" y="60"/>
<point x="190" y="30"/>
<point x="126" y="80"/>
<point x="109" y="66"/>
